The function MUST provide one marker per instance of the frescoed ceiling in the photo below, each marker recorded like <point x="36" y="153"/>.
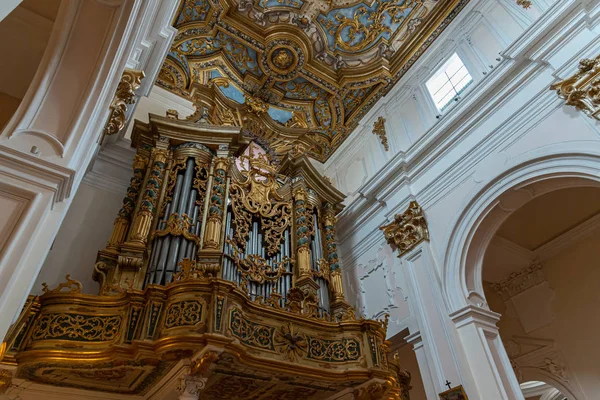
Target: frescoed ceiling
<point x="314" y="66"/>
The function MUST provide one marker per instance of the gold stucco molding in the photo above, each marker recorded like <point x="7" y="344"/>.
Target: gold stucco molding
<point x="582" y="90"/>
<point x="407" y="230"/>
<point x="125" y="95"/>
<point x="524" y="3"/>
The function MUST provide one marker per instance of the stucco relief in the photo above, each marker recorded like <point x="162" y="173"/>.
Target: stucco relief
<point x="541" y="357"/>
<point x="378" y="286"/>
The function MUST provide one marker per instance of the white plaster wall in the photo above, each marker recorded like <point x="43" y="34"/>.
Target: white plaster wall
<point x="85" y="230"/>
<point x="509" y="116"/>
<point x="479" y="34"/>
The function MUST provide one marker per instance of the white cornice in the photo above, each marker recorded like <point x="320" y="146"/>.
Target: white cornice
<point x="111" y="170"/>
<point x="39" y="172"/>
<point x="568" y="239"/>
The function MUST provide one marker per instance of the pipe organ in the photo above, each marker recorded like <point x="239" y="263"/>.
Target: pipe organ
<point x="223" y="255"/>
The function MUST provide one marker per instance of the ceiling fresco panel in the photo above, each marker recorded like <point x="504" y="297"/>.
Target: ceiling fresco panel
<point x="316" y="66"/>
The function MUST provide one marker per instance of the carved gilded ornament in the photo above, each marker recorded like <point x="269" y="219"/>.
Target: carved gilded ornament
<point x="289" y="342"/>
<point x="407" y="230"/>
<point x="191" y="269"/>
<point x="256" y="194"/>
<point x="125" y="95"/>
<point x="255" y="268"/>
<point x="582" y="90"/>
<point x="201" y="366"/>
<point x="178" y="225"/>
<point x="524" y="3"/>
<point x="379" y="130"/>
<point x="71" y="284"/>
<point x="121" y="224"/>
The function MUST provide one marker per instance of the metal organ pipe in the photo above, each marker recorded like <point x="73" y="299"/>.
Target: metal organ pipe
<point x="179" y="207"/>
<point x="166" y="242"/>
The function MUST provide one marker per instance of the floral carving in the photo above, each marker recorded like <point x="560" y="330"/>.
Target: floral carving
<point x="407" y="230"/>
<point x="290" y="342"/>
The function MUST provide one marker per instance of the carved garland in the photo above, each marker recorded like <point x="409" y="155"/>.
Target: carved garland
<point x="379" y="130"/>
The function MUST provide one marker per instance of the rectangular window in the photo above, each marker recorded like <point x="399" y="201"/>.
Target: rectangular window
<point x="448" y="82"/>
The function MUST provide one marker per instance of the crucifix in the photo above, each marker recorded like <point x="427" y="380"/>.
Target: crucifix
<point x="448" y="384"/>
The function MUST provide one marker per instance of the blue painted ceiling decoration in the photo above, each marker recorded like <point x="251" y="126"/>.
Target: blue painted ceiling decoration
<point x="315" y="66"/>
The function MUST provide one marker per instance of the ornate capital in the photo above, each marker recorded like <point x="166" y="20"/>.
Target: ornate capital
<point x="407" y="230"/>
<point x="379" y="130"/>
<point x="130" y="82"/>
<point x="582" y="90"/>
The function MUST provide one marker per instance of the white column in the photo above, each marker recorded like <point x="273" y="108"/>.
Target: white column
<point x="435" y="349"/>
<point x="416" y="341"/>
<point x="463" y="348"/>
<point x="487" y="359"/>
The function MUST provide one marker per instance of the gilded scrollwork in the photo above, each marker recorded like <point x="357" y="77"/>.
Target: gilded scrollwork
<point x="251" y="333"/>
<point x="191" y="269"/>
<point x="125" y="95"/>
<point x="407" y="230"/>
<point x="178" y="225"/>
<point x="582" y="90"/>
<point x="71" y="284"/>
<point x="255" y="268"/>
<point x="77" y="327"/>
<point x="177" y="166"/>
<point x="257" y="195"/>
<point x="183" y="313"/>
<point x="338" y="350"/>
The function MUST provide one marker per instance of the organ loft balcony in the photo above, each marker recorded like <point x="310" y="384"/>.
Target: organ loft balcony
<point x="221" y="275"/>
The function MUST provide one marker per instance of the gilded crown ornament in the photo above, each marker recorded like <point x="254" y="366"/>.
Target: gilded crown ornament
<point x="407" y="230"/>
